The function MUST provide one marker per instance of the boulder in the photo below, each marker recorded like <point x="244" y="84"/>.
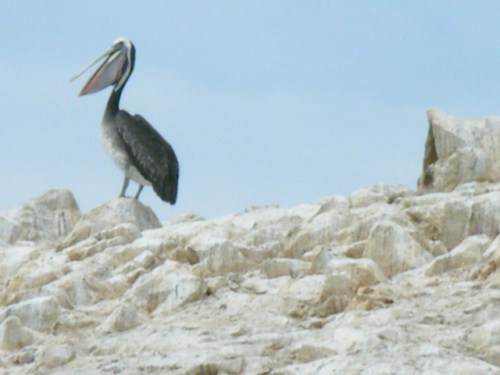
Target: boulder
<point x="40" y="313"/>
<point x="285" y="267"/>
<point x="169" y="285"/>
<point x="56" y="355"/>
<point x="108" y="215"/>
<point x="125" y="317"/>
<point x="458" y="151"/>
<point x="323" y="228"/>
<point x="487" y="338"/>
<point x="378" y="193"/>
<point x="449" y="218"/>
<point x="394" y="249"/>
<point x="223" y="259"/>
<point x="13" y="335"/>
<point x="344" y="278"/>
<point x="47" y="218"/>
<point x="466" y="255"/>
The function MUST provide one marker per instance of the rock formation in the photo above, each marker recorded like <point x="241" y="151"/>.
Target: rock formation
<point x="384" y="281"/>
<point x="459" y="151"/>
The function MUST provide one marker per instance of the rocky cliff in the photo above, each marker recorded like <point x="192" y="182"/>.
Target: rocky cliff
<point x="384" y="281"/>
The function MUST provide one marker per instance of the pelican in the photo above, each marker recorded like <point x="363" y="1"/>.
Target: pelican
<point x="130" y="141"/>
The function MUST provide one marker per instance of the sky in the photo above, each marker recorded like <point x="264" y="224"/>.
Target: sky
<point x="264" y="102"/>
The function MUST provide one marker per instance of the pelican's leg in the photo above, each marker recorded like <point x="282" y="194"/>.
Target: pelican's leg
<point x="124" y="187"/>
<point x="139" y="192"/>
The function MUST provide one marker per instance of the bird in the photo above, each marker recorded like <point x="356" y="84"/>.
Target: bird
<point x="131" y="142"/>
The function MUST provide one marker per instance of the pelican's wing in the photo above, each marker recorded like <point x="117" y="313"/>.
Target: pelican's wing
<point x="153" y="157"/>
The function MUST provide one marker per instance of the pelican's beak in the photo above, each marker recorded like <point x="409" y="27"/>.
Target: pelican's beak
<point x="107" y="74"/>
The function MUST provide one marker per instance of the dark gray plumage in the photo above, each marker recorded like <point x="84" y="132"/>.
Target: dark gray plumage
<point x="150" y="154"/>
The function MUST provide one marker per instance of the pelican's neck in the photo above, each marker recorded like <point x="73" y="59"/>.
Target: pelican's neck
<point x="113" y="105"/>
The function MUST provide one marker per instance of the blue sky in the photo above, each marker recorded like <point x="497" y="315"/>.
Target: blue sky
<point x="264" y="102"/>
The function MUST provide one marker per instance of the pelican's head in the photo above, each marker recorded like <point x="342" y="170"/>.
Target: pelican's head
<point x="115" y="70"/>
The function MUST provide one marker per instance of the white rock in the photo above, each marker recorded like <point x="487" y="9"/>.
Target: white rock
<point x="146" y="259"/>
<point x="311" y="352"/>
<point x="307" y="289"/>
<point x="56" y="355"/>
<point x="349" y="339"/>
<point x="378" y="193"/>
<point x="450" y="218"/>
<point x="319" y="258"/>
<point x="301" y="290"/>
<point x="108" y="215"/>
<point x="125" y="317"/>
<point x="344" y="278"/>
<point x="468" y="253"/>
<point x="454" y="217"/>
<point x="75" y="287"/>
<point x="322" y="229"/>
<point x="118" y="235"/>
<point x="486" y="335"/>
<point x="209" y="239"/>
<point x="24" y="356"/>
<point x="362" y="272"/>
<point x="224" y="259"/>
<point x="459" y="150"/>
<point x="13" y="335"/>
<point x="169" y="285"/>
<point x="47" y="218"/>
<point x="203" y="369"/>
<point x="10" y="229"/>
<point x="363" y="220"/>
<point x="393" y="249"/>
<point x="338" y="290"/>
<point x="40" y="313"/>
<point x="492" y="355"/>
<point x="20" y="271"/>
<point x="493" y="250"/>
<point x="485" y="216"/>
<point x="285" y="267"/>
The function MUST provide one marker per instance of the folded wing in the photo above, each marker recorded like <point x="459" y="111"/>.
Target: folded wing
<point x="153" y="157"/>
